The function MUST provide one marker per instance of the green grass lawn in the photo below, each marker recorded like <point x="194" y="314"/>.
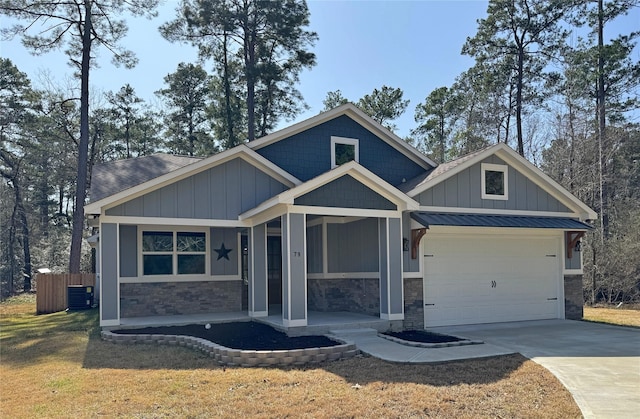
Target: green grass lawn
<point x="56" y="366"/>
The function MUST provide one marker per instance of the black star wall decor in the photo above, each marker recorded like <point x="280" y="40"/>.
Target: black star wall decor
<point x="223" y="252"/>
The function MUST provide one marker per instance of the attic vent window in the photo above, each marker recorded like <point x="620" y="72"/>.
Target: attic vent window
<point x="344" y="150"/>
<point x="495" y="181"/>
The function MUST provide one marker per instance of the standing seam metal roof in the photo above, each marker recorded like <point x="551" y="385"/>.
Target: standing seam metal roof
<point x="484" y="220"/>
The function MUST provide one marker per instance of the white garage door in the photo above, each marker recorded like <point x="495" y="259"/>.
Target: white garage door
<point x="484" y="278"/>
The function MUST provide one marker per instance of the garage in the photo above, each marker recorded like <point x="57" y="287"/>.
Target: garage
<point x="485" y="275"/>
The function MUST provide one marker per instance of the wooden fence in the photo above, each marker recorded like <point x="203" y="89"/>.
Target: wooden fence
<point x="51" y="290"/>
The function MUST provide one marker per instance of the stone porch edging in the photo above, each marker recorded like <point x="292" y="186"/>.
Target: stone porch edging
<point x="463" y="342"/>
<point x="237" y="357"/>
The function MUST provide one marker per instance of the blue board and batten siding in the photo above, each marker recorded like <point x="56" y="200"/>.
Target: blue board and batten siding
<point x="308" y="154"/>
<point x="463" y="190"/>
<point x="353" y="247"/>
<point x="222" y="192"/>
<point x="345" y="192"/>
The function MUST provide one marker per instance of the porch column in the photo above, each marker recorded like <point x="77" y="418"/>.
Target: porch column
<point x="109" y="293"/>
<point x="391" y="289"/>
<point x="258" y="278"/>
<point x="294" y="270"/>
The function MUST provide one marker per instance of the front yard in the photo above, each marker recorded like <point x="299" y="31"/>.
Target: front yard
<point x="620" y="316"/>
<point x="56" y="366"/>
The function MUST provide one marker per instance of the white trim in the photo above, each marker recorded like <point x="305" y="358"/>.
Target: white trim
<point x="392" y="316"/>
<point x="503" y="231"/>
<point x="467" y="210"/>
<point x="305" y="268"/>
<point x="251" y="271"/>
<point x="160" y="221"/>
<point x="388" y="265"/>
<point x="286" y="217"/>
<point x="500" y="168"/>
<point x="241" y="151"/>
<point x="344" y="275"/>
<point x="401" y="250"/>
<point x="348" y="212"/>
<point x="325" y="247"/>
<point x="333" y="220"/>
<point x="573" y="272"/>
<point x="560" y="311"/>
<point x="294" y="323"/>
<point x="344" y="141"/>
<point x="258" y="313"/>
<point x="181" y="278"/>
<point x="358" y="116"/>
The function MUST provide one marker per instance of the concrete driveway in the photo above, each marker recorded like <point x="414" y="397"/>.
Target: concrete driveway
<point x="598" y="364"/>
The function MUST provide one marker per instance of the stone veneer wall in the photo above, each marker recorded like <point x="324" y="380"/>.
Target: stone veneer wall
<point x="351" y="295"/>
<point x="573" y="297"/>
<point x="413" y="304"/>
<point x="174" y="298"/>
<point x="244" y="358"/>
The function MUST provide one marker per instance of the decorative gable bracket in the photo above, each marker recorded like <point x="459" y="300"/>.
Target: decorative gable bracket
<point x="416" y="236"/>
<point x="572" y="238"/>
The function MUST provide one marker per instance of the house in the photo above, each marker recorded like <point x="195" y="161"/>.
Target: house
<point x="337" y="214"/>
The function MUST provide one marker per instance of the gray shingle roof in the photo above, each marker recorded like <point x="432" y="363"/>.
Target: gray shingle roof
<point x="112" y="177"/>
<point x="439" y="170"/>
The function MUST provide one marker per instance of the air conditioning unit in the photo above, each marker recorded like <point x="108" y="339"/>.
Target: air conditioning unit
<point x="79" y="297"/>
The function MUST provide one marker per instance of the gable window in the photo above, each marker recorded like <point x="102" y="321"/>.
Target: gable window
<point x="495" y="181"/>
<point x="344" y="150"/>
<point x="174" y="253"/>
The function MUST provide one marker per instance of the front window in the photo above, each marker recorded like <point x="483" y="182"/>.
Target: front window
<point x="344" y="150"/>
<point x="495" y="181"/>
<point x="173" y="253"/>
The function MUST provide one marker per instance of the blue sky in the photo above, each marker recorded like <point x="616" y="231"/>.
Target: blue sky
<point x="413" y="45"/>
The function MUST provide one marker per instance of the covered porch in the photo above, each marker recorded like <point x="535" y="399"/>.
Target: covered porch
<point x="341" y="252"/>
<point x="318" y="323"/>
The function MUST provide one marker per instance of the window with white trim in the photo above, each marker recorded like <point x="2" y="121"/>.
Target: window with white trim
<point x="495" y="181"/>
<point x="344" y="150"/>
<point x="174" y="253"/>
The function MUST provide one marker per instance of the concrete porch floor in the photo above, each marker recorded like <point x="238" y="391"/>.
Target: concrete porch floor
<point x="317" y="322"/>
<point x="320" y="322"/>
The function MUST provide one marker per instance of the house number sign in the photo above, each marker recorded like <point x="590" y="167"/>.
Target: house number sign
<point x="296" y="254"/>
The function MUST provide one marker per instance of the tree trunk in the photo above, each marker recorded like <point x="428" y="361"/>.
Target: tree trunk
<point x="26" y="248"/>
<point x="227" y="94"/>
<point x="601" y="112"/>
<point x="83" y="146"/>
<point x="519" y="88"/>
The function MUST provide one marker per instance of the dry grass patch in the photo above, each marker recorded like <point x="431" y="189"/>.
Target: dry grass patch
<point x="617" y="316"/>
<point x="56" y="366"/>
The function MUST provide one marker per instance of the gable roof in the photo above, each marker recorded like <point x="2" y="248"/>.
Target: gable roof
<point x="506" y="153"/>
<point x="438" y="171"/>
<point x="352" y="169"/>
<point x="112" y="177"/>
<point x="241" y="151"/>
<point x="353" y="112"/>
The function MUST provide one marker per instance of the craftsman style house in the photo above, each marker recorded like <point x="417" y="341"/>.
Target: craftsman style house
<point x="336" y="214"/>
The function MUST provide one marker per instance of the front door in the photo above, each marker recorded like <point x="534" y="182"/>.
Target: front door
<point x="274" y="269"/>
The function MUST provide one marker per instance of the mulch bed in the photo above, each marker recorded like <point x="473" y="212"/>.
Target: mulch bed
<point x="422" y="336"/>
<point x="239" y="335"/>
